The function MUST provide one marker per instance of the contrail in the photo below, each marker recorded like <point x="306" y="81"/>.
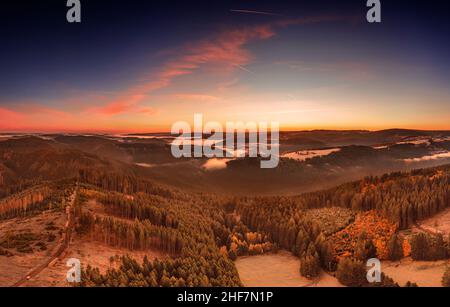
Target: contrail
<point x="244" y="69"/>
<point x="255" y="12"/>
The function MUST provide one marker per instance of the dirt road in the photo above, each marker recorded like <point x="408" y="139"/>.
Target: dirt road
<point x="63" y="245"/>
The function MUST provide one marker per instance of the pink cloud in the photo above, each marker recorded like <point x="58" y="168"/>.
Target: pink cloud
<point x="226" y="51"/>
<point x="121" y="104"/>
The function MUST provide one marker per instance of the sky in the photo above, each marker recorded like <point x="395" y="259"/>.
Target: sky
<point x="140" y="66"/>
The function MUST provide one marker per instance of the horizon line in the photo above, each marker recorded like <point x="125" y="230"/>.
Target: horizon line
<point x="78" y="132"/>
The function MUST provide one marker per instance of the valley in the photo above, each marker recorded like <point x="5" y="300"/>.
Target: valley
<point x="135" y="216"/>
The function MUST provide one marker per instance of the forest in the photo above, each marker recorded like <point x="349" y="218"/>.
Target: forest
<point x="335" y="230"/>
<point x="205" y="233"/>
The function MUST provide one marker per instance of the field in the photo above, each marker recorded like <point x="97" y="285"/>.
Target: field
<point x="26" y="243"/>
<point x="277" y="270"/>
<point x="30" y="242"/>
<point x="89" y="253"/>
<point x="423" y="273"/>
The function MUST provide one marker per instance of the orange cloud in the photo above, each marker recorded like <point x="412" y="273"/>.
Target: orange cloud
<point x="120" y="105"/>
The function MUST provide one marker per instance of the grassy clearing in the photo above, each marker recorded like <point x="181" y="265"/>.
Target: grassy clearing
<point x="423" y="273"/>
<point x="26" y="242"/>
<point x="89" y="253"/>
<point x="277" y="270"/>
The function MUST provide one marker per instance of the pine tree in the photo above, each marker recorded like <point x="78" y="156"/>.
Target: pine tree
<point x="232" y="254"/>
<point x="310" y="263"/>
<point x="365" y="249"/>
<point x="351" y="273"/>
<point x="446" y="278"/>
<point x="411" y="285"/>
<point x="439" y="250"/>
<point x="420" y="247"/>
<point x="395" y="249"/>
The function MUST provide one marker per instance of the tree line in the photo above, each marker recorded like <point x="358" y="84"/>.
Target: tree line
<point x="120" y="182"/>
<point x="429" y="247"/>
<point x="133" y="235"/>
<point x="141" y="207"/>
<point x="26" y="202"/>
<point x="404" y="198"/>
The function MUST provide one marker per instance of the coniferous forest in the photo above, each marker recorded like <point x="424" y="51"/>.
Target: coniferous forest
<point x="205" y="234"/>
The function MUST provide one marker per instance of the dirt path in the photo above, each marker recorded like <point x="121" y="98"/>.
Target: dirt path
<point x="63" y="245"/>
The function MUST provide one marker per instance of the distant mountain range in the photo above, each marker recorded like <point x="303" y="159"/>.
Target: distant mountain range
<point x="310" y="160"/>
